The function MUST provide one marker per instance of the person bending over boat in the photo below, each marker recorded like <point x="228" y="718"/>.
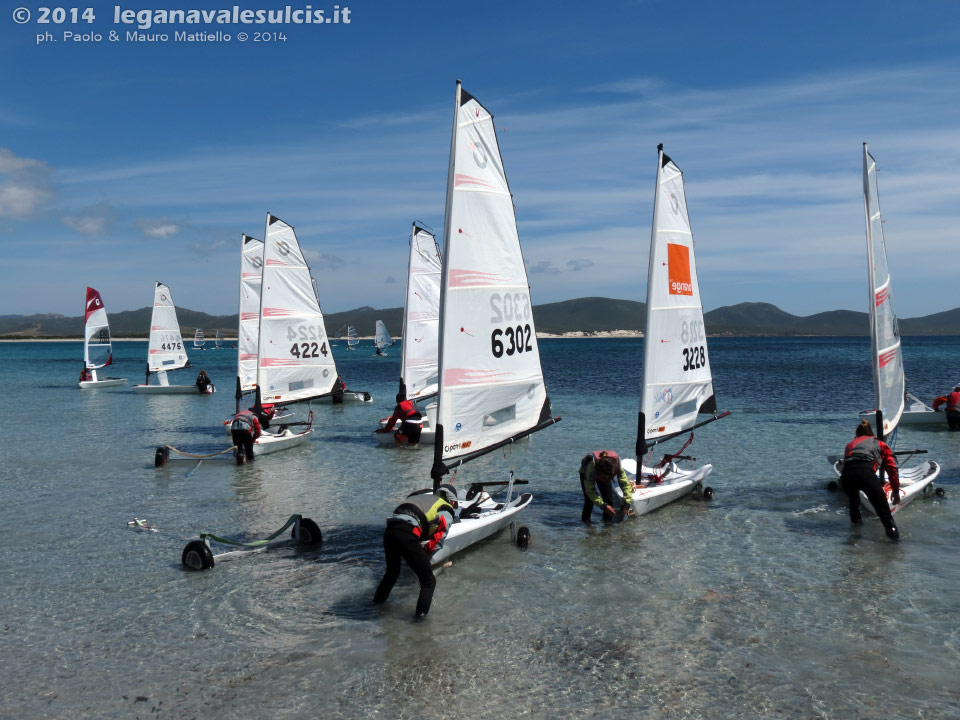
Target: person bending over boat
<point x="414" y="532"/>
<point x="411" y="422"/>
<point x="204" y="383"/>
<point x="597" y="472"/>
<point x="952" y="401"/>
<point x="861" y="459"/>
<point x="244" y="430"/>
<point x="264" y="414"/>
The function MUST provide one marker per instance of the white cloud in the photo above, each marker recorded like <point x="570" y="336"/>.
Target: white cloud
<point x="159" y="227"/>
<point x="94" y="219"/>
<point x="24" y="186"/>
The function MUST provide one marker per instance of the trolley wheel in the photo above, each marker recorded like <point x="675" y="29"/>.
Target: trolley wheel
<point x="161" y="456"/>
<point x="940" y="492"/>
<point x="833" y="486"/>
<point x="708" y="493"/>
<point x="523" y="537"/>
<point x="197" y="556"/>
<point x="309" y="532"/>
<point x="366" y="397"/>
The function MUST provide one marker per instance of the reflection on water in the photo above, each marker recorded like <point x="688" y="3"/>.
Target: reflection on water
<point x="761" y="603"/>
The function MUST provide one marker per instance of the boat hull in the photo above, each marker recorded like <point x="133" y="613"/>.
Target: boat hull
<point x="167" y="390"/>
<point x="676" y="483"/>
<point x="349" y="396"/>
<point x="914" y="482"/>
<point x="94" y="384"/>
<point x="491" y="518"/>
<point x="271" y="443"/>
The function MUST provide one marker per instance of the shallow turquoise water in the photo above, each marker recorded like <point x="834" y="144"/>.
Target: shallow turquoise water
<point x="761" y="603"/>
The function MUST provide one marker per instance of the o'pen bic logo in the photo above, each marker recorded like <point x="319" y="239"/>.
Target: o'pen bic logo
<point x="678" y="269"/>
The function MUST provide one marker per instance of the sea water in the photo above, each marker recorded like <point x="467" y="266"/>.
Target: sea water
<point x="763" y="602"/>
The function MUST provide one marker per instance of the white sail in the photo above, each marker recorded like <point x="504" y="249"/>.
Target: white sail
<point x="491" y="385"/>
<point x="382" y="337"/>
<point x="198" y="339"/>
<point x="677" y="384"/>
<point x="421" y="316"/>
<point x="251" y="275"/>
<point x="218" y="340"/>
<point x="166" y="345"/>
<point x="352" y="338"/>
<point x="888" y="380"/>
<point x="294" y="360"/>
<point x="97" y="349"/>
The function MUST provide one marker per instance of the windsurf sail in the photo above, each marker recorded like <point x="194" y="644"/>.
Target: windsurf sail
<point x="294" y="360"/>
<point x="677" y="383"/>
<point x="166" y="351"/>
<point x="218" y="340"/>
<point x="491" y="388"/>
<point x="382" y="337"/>
<point x="97" y="349"/>
<point x="421" y="317"/>
<point x="198" y="339"/>
<point x="888" y="380"/>
<point x="251" y="275"/>
<point x="352" y="338"/>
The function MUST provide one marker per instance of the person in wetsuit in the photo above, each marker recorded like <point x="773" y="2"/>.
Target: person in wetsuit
<point x="411" y="422"/>
<point x="862" y="457"/>
<point x="244" y="430"/>
<point x="597" y="473"/>
<point x="414" y="532"/>
<point x="203" y="381"/>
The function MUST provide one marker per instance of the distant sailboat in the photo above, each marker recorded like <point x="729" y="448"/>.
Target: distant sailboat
<point x="218" y="341"/>
<point x="382" y="338"/>
<point x="677" y="382"/>
<point x="352" y="339"/>
<point x="421" y="325"/>
<point x="198" y="340"/>
<point x="166" y="352"/>
<point x="491" y="389"/>
<point x="97" y="348"/>
<point x="889" y="385"/>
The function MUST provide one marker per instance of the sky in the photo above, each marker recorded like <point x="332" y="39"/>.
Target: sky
<point x="127" y="162"/>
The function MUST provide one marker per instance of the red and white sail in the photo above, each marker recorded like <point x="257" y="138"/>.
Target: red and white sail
<point x="491" y="384"/>
<point x="421" y="316"/>
<point x="97" y="349"/>
<point x="888" y="379"/>
<point x="294" y="357"/>
<point x="251" y="275"/>
<point x="677" y="383"/>
<point x="166" y="351"/>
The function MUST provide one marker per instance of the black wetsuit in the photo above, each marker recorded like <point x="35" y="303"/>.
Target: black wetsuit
<point x="860" y="475"/>
<point x="399" y="541"/>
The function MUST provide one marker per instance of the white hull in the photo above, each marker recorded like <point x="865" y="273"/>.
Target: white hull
<point x="270" y="443"/>
<point x="924" y="417"/>
<point x="349" y="396"/>
<point x="493" y="517"/>
<point x="108" y="382"/>
<point x="675" y="484"/>
<point x="914" y="481"/>
<point x="167" y="390"/>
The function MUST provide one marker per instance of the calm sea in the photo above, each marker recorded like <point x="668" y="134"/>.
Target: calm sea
<point x="761" y="603"/>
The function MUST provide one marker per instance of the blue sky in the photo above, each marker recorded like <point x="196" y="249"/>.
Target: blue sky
<point x="124" y="163"/>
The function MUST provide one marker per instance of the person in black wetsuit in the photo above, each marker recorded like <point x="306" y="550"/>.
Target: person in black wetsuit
<point x="203" y="381"/>
<point x="863" y="456"/>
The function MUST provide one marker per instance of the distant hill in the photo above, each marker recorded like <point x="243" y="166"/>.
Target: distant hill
<point x="589" y="315"/>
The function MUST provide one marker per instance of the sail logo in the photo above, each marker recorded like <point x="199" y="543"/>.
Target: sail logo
<point x="664" y="396"/>
<point x="887" y="357"/>
<point x="256" y="262"/>
<point x="674" y="204"/>
<point x="479" y="155"/>
<point x="678" y="269"/>
<point x="283" y="247"/>
<point x="882" y="296"/>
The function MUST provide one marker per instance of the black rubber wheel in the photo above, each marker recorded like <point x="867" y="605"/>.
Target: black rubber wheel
<point x="708" y="493"/>
<point x="523" y="537"/>
<point x="309" y="532"/>
<point x="366" y="397"/>
<point x="833" y="486"/>
<point x="161" y="456"/>
<point x="197" y="556"/>
<point x="940" y="492"/>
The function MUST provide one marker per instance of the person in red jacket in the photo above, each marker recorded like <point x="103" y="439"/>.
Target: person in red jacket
<point x="411" y="422"/>
<point x="863" y="456"/>
<point x="244" y="430"/>
<point x="953" y="409"/>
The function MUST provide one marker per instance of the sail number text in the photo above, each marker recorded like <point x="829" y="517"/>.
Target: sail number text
<point x="171" y="342"/>
<point x="509" y="308"/>
<point x="692" y="332"/>
<point x="694" y="357"/>
<point x="309" y="341"/>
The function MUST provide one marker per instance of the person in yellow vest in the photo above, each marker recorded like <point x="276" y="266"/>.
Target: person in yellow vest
<point x="597" y="473"/>
<point x="415" y="531"/>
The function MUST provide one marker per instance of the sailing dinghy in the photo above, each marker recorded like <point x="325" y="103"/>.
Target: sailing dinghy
<point x="166" y="352"/>
<point x="491" y="389"/>
<point x="889" y="385"/>
<point x="382" y="338"/>
<point x="677" y="382"/>
<point x="97" y="349"/>
<point x="421" y="322"/>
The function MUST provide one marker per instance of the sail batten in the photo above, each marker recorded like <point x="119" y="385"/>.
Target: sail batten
<point x="677" y="381"/>
<point x="294" y="361"/>
<point x="491" y="389"/>
<point x="888" y="379"/>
